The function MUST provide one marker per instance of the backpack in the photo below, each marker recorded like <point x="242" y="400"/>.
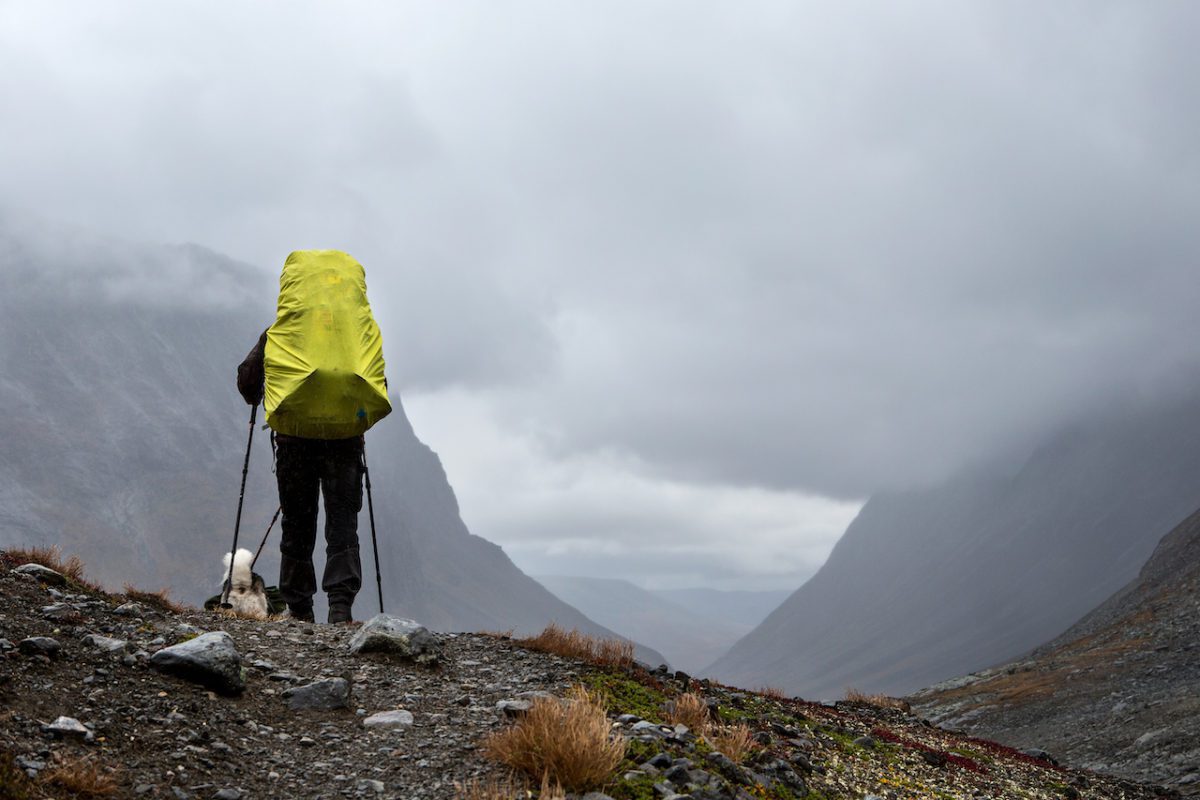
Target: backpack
<point x="323" y="361"/>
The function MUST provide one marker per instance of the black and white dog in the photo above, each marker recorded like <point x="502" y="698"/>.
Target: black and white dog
<point x="248" y="591"/>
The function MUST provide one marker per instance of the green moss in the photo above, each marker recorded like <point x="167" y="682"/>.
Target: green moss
<point x="626" y="696"/>
<point x="641" y="788"/>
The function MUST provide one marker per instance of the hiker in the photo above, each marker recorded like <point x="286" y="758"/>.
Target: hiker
<point x="319" y="328"/>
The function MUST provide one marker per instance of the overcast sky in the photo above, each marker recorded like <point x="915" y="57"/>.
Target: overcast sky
<point x="672" y="287"/>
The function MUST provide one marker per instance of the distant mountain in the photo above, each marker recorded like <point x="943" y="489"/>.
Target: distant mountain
<point x="124" y="436"/>
<point x="1119" y="692"/>
<point x="929" y="584"/>
<point x="687" y="636"/>
<point x="743" y="609"/>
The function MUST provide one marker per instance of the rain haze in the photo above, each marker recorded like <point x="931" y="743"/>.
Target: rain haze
<point x="671" y="288"/>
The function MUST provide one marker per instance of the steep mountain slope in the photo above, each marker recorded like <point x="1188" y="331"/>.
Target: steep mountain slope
<point x="930" y="584"/>
<point x="688" y="639"/>
<point x="124" y="436"/>
<point x="1119" y="692"/>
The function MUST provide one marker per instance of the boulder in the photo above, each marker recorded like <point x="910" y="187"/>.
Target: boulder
<point x="397" y="636"/>
<point x="39" y="646"/>
<point x="210" y="660"/>
<point x="43" y="574"/>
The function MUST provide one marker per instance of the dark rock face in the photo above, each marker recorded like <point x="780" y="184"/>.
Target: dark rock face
<point x="930" y="584"/>
<point x="211" y="659"/>
<point x="325" y="695"/>
<point x="1119" y="692"/>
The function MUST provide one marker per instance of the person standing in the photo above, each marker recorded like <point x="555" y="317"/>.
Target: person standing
<point x="318" y="370"/>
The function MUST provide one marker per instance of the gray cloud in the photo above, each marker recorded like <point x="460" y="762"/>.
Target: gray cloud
<point x="808" y="247"/>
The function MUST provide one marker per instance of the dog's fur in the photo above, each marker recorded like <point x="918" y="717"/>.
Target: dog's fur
<point x="248" y="594"/>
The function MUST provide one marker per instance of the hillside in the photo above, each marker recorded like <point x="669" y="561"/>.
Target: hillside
<point x="124" y="436"/>
<point x="929" y="584"/>
<point x="688" y="639"/>
<point x="100" y="692"/>
<point x="1119" y="692"/>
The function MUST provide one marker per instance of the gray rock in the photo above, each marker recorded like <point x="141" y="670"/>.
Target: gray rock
<point x="389" y="719"/>
<point x="105" y="643"/>
<point x="325" y="695"/>
<point x="59" y="611"/>
<point x="227" y="794"/>
<point x="43" y="574"/>
<point x="368" y="785"/>
<point x="6" y="646"/>
<point x="595" y="796"/>
<point x="385" y="633"/>
<point x="514" y="708"/>
<point x="68" y="727"/>
<point x="39" y="646"/>
<point x="130" y="609"/>
<point x="210" y="660"/>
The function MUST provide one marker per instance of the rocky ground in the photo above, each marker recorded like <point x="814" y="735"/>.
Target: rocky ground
<point x="287" y="709"/>
<point x="1118" y="693"/>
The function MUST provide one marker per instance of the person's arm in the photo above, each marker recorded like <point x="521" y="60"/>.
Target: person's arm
<point x="250" y="373"/>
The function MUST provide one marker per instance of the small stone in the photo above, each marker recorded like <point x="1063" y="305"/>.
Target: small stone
<point x="68" y="727"/>
<point x="514" y="708"/>
<point x="43" y="574"/>
<point x="677" y="775"/>
<point x="129" y="609"/>
<point x="324" y="695"/>
<point x="371" y="786"/>
<point x="389" y="719"/>
<point x="39" y="646"/>
<point x="865" y="741"/>
<point x="306" y="741"/>
<point x="143" y="788"/>
<point x="105" y="643"/>
<point x="59" y="611"/>
<point x="227" y="794"/>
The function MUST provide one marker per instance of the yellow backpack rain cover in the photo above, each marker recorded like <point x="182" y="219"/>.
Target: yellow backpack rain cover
<point x="324" y="355"/>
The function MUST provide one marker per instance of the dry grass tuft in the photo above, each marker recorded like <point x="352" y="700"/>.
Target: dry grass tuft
<point x="735" y="741"/>
<point x="574" y="644"/>
<point x="691" y="710"/>
<point x="160" y="599"/>
<point x="773" y="693"/>
<point x="83" y="778"/>
<point x="876" y="700"/>
<point x="561" y="742"/>
<point x="508" y="788"/>
<point x="51" y="558"/>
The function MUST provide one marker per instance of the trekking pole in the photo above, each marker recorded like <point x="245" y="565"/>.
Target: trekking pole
<point x="371" y="514"/>
<point x="237" y="526"/>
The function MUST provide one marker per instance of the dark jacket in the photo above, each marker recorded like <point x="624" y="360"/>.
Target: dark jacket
<point x="251" y="376"/>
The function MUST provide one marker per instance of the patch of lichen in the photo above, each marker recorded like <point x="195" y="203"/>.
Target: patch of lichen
<point x="624" y="695"/>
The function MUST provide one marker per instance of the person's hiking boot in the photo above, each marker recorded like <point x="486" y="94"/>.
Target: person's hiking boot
<point x="301" y="613"/>
<point x="339" y="613"/>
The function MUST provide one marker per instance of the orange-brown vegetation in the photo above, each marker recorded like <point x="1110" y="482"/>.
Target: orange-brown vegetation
<point x="51" y="558"/>
<point x="616" y="653"/>
<point x="160" y="599"/>
<point x="876" y="700"/>
<point x="689" y="709"/>
<point x="735" y="741"/>
<point x="565" y="742"/>
<point x="83" y="778"/>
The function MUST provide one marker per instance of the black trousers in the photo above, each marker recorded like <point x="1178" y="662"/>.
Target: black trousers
<point x="305" y="468"/>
